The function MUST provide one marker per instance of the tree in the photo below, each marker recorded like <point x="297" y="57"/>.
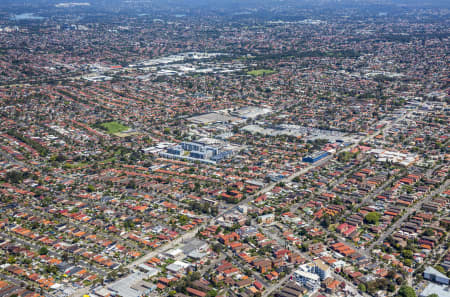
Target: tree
<point x="183" y="219"/>
<point x="51" y="269"/>
<point x="440" y="269"/>
<point x="217" y="248"/>
<point x="305" y="247"/>
<point x="408" y="262"/>
<point x="372" y="217"/>
<point x="408" y="254"/>
<point x="128" y="224"/>
<point x="11" y="260"/>
<point x="43" y="251"/>
<point x="362" y="287"/>
<point x="391" y="287"/>
<point x="325" y="222"/>
<point x="428" y="232"/>
<point x="14" y="177"/>
<point x="65" y="256"/>
<point x="90" y="188"/>
<point x="406" y="291"/>
<point x="195" y="276"/>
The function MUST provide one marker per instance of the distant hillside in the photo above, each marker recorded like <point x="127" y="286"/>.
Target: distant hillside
<point x="222" y="5"/>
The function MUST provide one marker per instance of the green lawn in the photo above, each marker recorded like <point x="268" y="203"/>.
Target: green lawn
<point x="114" y="127"/>
<point x="259" y="72"/>
<point x="109" y="160"/>
<point x="74" y="165"/>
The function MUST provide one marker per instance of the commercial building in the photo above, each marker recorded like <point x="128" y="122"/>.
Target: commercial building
<point x="441" y="291"/>
<point x="193" y="151"/>
<point x="321" y="269"/>
<point x="307" y="279"/>
<point x="433" y="275"/>
<point x="315" y="157"/>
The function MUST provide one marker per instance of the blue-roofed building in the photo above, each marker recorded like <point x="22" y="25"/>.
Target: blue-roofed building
<point x="315" y="157"/>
